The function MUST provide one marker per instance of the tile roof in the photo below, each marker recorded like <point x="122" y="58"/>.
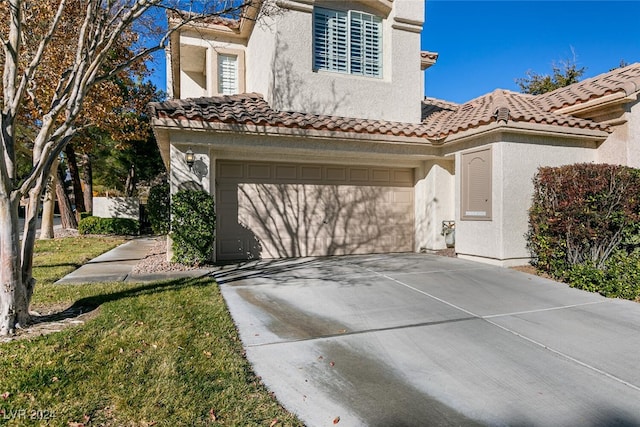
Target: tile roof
<point x="626" y="79"/>
<point x="439" y="118"/>
<point x="180" y="16"/>
<point x="252" y="109"/>
<point x="427" y="59"/>
<point x="434" y="105"/>
<point x="499" y="105"/>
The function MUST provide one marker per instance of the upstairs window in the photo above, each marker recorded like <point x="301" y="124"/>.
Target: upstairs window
<point x="347" y="42"/>
<point x="227" y="74"/>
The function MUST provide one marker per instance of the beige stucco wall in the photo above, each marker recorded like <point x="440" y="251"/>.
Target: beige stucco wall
<point x="515" y="161"/>
<point x="280" y="66"/>
<point x="634" y="134"/>
<point x="180" y="177"/>
<point x="622" y="147"/>
<point x="434" y="202"/>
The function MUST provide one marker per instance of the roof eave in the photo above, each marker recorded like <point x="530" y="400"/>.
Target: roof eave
<point x="524" y="128"/>
<point x="251" y="129"/>
<point x="242" y="31"/>
<point x="601" y="103"/>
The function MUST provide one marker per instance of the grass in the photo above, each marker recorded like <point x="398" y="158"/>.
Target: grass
<point x="55" y="258"/>
<point x="162" y="354"/>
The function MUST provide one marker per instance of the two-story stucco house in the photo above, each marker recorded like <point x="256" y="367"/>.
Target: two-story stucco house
<point x="311" y="131"/>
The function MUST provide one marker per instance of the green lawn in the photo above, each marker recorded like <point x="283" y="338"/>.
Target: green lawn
<point x="163" y="354"/>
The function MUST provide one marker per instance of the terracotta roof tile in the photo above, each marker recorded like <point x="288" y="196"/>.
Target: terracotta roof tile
<point x="433" y="105"/>
<point x="625" y="80"/>
<point x="443" y="119"/>
<point x="182" y="15"/>
<point x="440" y="118"/>
<point x="252" y="109"/>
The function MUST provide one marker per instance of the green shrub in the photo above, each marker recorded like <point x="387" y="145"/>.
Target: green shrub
<point x="85" y="215"/>
<point x="193" y="223"/>
<point x="115" y="226"/>
<point x="620" y="277"/>
<point x="586" y="276"/>
<point x="580" y="215"/>
<point x="158" y="208"/>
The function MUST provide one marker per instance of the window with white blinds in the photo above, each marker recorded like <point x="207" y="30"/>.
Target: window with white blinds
<point x="227" y="74"/>
<point x="347" y="42"/>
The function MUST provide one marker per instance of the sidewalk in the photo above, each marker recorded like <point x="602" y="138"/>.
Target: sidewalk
<point x="117" y="264"/>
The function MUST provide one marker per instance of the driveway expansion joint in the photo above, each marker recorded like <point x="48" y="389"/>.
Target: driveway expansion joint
<point x="519" y="335"/>
<point x="541" y="310"/>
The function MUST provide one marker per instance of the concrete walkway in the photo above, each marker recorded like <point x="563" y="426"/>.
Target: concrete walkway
<point x="117" y="264"/>
<point x="421" y="340"/>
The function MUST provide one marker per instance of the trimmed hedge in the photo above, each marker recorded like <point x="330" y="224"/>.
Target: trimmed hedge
<point x="584" y="226"/>
<point x="115" y="226"/>
<point x="193" y="224"/>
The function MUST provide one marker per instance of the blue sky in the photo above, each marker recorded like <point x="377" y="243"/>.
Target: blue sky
<point x="485" y="45"/>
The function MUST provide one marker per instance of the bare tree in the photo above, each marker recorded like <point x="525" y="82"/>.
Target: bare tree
<point x="28" y="35"/>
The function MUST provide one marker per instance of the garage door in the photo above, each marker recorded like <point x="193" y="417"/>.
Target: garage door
<point x="280" y="210"/>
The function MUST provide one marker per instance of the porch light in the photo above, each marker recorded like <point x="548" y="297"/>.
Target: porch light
<point x="189" y="157"/>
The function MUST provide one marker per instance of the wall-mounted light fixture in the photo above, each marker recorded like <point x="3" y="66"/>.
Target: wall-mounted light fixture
<point x="189" y="157"/>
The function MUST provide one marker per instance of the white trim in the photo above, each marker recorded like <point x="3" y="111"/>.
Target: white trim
<point x="297" y="5"/>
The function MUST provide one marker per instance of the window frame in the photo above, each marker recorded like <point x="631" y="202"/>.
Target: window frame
<point x="240" y="69"/>
<point x="341" y="59"/>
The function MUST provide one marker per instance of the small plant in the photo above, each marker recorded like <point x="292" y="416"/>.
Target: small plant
<point x="193" y="223"/>
<point x="112" y="226"/>
<point x="158" y="208"/>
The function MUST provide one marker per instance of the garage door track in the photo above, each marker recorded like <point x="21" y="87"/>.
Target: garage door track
<point x="421" y="340"/>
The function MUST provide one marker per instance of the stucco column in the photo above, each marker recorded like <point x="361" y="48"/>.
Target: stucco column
<point x="434" y="202"/>
<point x="213" y="190"/>
<point x="211" y="71"/>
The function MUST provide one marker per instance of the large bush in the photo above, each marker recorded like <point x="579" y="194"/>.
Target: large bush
<point x="158" y="208"/>
<point x="193" y="223"/>
<point x="116" y="226"/>
<point x="582" y="215"/>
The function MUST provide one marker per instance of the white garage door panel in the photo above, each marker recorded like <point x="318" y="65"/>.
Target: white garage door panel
<point x="281" y="210"/>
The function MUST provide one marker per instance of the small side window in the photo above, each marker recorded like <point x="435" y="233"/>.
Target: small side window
<point x="227" y="74"/>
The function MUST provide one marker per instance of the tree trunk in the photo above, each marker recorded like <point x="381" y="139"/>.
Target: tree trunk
<point x="72" y="164"/>
<point x="49" y="204"/>
<point x="66" y="213"/>
<point x="27" y="249"/>
<point x="130" y="184"/>
<point x="12" y="298"/>
<point x="87" y="181"/>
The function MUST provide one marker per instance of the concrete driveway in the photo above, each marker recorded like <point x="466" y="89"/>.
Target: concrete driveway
<point x="422" y="340"/>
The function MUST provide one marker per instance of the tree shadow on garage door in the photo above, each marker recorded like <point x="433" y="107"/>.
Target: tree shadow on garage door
<point x="297" y="220"/>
